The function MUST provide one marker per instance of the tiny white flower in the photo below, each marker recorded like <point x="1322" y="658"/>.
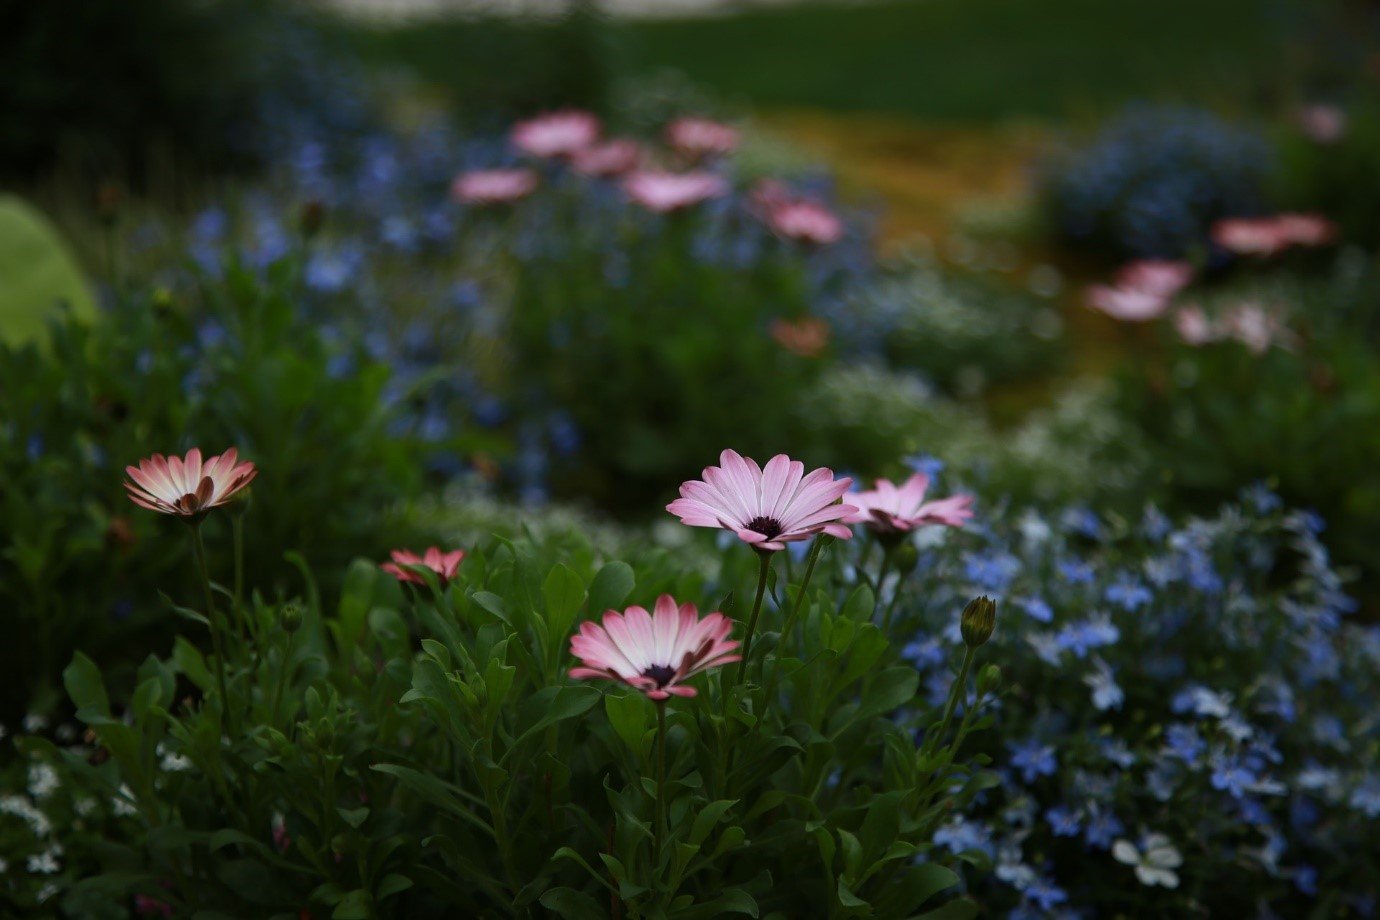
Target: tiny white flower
<point x="46" y="892"/>
<point x="123" y="804"/>
<point x="84" y="806"/>
<point x="35" y="722"/>
<point x="44" y="863"/>
<point x="66" y="733"/>
<point x="1154" y="862"/>
<point x="173" y="762"/>
<point x="43" y="780"/>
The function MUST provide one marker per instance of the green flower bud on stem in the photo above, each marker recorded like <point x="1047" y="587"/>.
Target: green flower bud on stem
<point x="292" y="617"/>
<point x="905" y="558"/>
<point x="979" y="620"/>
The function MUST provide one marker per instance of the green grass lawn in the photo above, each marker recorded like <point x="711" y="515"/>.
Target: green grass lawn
<point x="938" y="59"/>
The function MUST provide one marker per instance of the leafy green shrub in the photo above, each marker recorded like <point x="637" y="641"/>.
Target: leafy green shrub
<point x="233" y="363"/>
<point x="418" y="749"/>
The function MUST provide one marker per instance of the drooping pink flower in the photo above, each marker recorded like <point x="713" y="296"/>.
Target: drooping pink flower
<point x="766" y="508"/>
<point x="1324" y="124"/>
<point x="1142" y="291"/>
<point x="889" y="509"/>
<point x="663" y="192"/>
<point x="806" y="221"/>
<point x="556" y="134"/>
<point x="701" y="137"/>
<point x="611" y="158"/>
<point x="444" y="564"/>
<point x="655" y="653"/>
<point x="807" y="337"/>
<point x="493" y="186"/>
<point x="186" y="487"/>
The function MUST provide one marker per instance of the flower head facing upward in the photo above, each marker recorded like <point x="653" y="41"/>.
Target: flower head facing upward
<point x="663" y="192"/>
<point x="700" y="137"/>
<point x="493" y="186"/>
<point x="654" y="653"/>
<point x="444" y="564"/>
<point x="889" y="510"/>
<point x="766" y="507"/>
<point x="185" y="486"/>
<point x="556" y="134"/>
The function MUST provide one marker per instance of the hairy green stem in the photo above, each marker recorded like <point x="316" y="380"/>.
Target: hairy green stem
<point x="815" y="549"/>
<point x="960" y="687"/>
<point x="752" y="620"/>
<point x="660" y="780"/>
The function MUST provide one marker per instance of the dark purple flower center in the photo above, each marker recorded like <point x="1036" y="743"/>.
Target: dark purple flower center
<point x="767" y="527"/>
<point x="660" y="674"/>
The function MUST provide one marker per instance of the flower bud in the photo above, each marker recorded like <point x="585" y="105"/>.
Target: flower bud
<point x="905" y="558"/>
<point x="979" y="620"/>
<point x="989" y="680"/>
<point x="292" y="617"/>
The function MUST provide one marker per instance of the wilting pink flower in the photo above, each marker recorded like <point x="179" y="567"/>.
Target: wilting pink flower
<point x="664" y="192"/>
<point x="187" y="487"/>
<point x="806" y="337"/>
<point x="1143" y="290"/>
<point x="556" y="134"/>
<point x="657" y="652"/>
<point x="701" y="137"/>
<point x="766" y="508"/>
<point x="444" y="564"/>
<point x="145" y="906"/>
<point x="1325" y="124"/>
<point x="889" y="509"/>
<point x="806" y="221"/>
<point x="1193" y="326"/>
<point x="611" y="158"/>
<point x="1269" y="236"/>
<point x="493" y="186"/>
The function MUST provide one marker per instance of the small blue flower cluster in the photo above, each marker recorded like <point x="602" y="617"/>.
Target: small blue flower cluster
<point x="1153" y="180"/>
<point x="1189" y="712"/>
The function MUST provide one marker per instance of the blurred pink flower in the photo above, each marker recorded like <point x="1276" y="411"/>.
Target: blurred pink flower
<point x="664" y="192"/>
<point x="657" y="652"/>
<point x="186" y="487"/>
<point x="442" y="563"/>
<point x="1269" y="236"/>
<point x="807" y="337"/>
<point x="1143" y="290"/>
<point x="493" y="186"/>
<point x="1325" y="124"/>
<point x="699" y="137"/>
<point x="611" y="158"/>
<point x="282" y="840"/>
<point x="145" y="906"/>
<point x="889" y="509"/>
<point x="766" y="508"/>
<point x="556" y="134"/>
<point x="1256" y="327"/>
<point x="1193" y="326"/>
<point x="806" y="221"/>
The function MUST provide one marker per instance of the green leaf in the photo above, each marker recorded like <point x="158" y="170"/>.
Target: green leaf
<point x="571" y="904"/>
<point x="40" y="274"/>
<point x="357" y="905"/>
<point x="564" y="703"/>
<point x="731" y="901"/>
<point x="610" y="588"/>
<point x="958" y="909"/>
<point x="848" y="899"/>
<point x="84" y="685"/>
<point x="629" y="713"/>
<point x="709" y="816"/>
<point x="564" y="594"/>
<point x="353" y="816"/>
<point x="926" y="881"/>
<point x="189" y="661"/>
<point x="392" y="884"/>
<point x="356" y="597"/>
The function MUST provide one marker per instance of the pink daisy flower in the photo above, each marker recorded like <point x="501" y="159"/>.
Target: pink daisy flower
<point x="186" y="487"/>
<point x="1306" y="229"/>
<point x="699" y="137"/>
<point x="611" y="158"/>
<point x="444" y="564"/>
<point x="1250" y="236"/>
<point x="556" y="134"/>
<point x="890" y="510"/>
<point x="1126" y="304"/>
<point x="655" y="653"/>
<point x="805" y="221"/>
<point x="766" y="508"/>
<point x="1324" y="124"/>
<point x="1143" y="290"/>
<point x="1155" y="276"/>
<point x="493" y="186"/>
<point x="664" y="192"/>
<point x="1194" y="327"/>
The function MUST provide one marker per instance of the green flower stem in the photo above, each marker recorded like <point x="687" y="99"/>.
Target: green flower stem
<point x="960" y="687"/>
<point x="284" y="669"/>
<point x="816" y="548"/>
<point x="752" y="620"/>
<point x="882" y="573"/>
<point x="660" y="780"/>
<point x="199" y="550"/>
<point x="242" y="620"/>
